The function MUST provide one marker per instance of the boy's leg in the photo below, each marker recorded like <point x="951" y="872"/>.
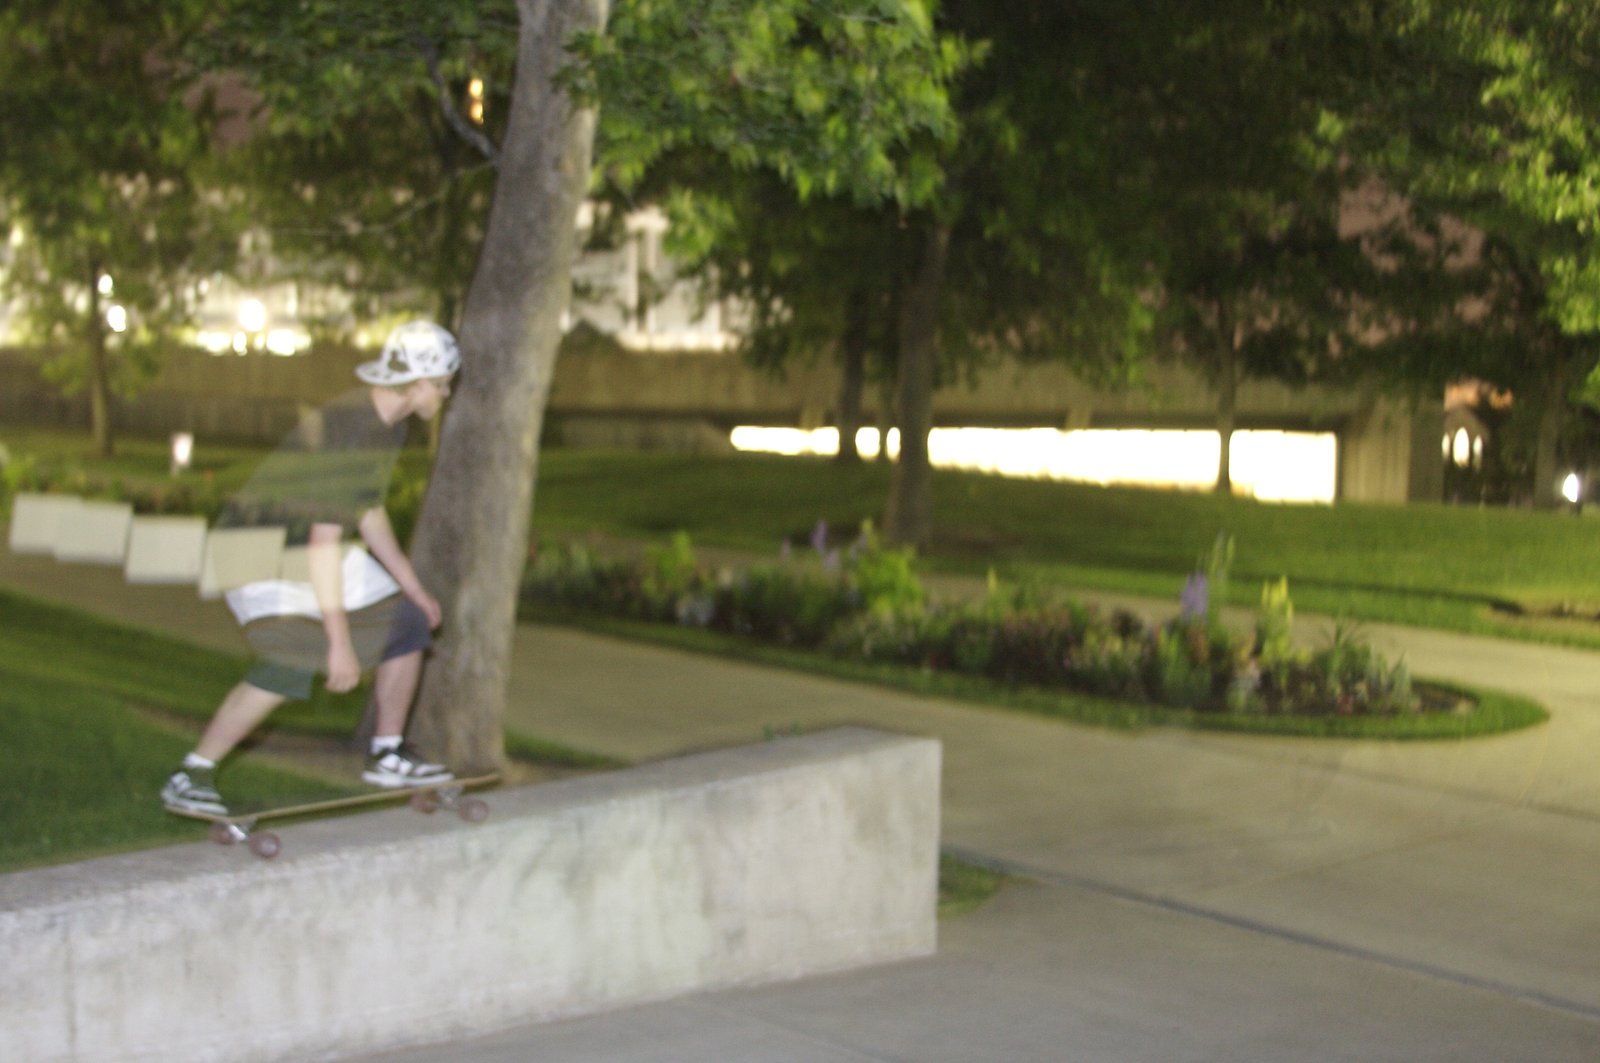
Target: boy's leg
<point x="393" y="762"/>
<point x="240" y="713"/>
<point x="393" y="688"/>
<point x="192" y="787"/>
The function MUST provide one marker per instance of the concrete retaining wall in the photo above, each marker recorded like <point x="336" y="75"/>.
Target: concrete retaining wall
<point x="767" y="862"/>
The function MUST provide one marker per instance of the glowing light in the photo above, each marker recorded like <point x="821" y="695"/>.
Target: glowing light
<point x="1572" y="488"/>
<point x="475" y="100"/>
<point x="286" y="342"/>
<point x="1461" y="450"/>
<point x="1272" y="466"/>
<point x="105" y="284"/>
<point x="117" y="318"/>
<point x="182" y="451"/>
<point x="252" y="315"/>
<point x="789" y="441"/>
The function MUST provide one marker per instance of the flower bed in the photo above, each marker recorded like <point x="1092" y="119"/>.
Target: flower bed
<point x="866" y="604"/>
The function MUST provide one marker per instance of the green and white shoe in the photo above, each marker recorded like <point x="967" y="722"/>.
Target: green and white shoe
<point x="193" y="790"/>
<point x="397" y="768"/>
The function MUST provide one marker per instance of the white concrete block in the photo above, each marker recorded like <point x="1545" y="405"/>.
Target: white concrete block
<point x="165" y="550"/>
<point x="96" y="533"/>
<point x="236" y="556"/>
<point x="37" y="520"/>
<point x="769" y="862"/>
<point x="296" y="564"/>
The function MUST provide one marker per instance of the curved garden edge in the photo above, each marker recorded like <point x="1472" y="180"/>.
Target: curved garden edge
<point x="1484" y="713"/>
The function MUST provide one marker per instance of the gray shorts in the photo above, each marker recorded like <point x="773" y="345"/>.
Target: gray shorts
<point x="292" y="650"/>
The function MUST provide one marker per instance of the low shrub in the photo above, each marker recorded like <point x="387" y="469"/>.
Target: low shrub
<point x="866" y="604"/>
<point x="28" y="474"/>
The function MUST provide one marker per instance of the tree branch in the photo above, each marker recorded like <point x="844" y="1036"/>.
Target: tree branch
<point x="453" y="117"/>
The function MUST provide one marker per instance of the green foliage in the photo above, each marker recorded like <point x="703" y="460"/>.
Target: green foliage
<point x="56" y="475"/>
<point x="105" y="143"/>
<point x="1260" y="272"/>
<point x="358" y="172"/>
<point x="965" y="886"/>
<point x="1274" y="624"/>
<point x="884" y="576"/>
<point x="1521" y="148"/>
<point x="1180" y="666"/>
<point x="829" y="94"/>
<point x="1016" y="638"/>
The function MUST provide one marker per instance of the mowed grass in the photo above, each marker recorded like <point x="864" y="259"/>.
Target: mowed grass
<point x="82" y="708"/>
<point x="1456" y="568"/>
<point x="1451" y="567"/>
<point x="93" y="719"/>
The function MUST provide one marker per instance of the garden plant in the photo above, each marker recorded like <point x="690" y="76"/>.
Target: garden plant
<point x="864" y="604"/>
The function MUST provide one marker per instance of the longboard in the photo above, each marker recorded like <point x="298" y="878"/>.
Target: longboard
<point x="234" y="827"/>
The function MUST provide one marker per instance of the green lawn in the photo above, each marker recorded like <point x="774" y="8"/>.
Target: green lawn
<point x="87" y="722"/>
<point x="1450" y="567"/>
<point x="87" y="757"/>
<point x="1458" y="568"/>
<point x="81" y="707"/>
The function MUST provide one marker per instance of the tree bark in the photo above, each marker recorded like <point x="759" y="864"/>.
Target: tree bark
<point x="1547" y="441"/>
<point x="472" y="536"/>
<point x="853" y="377"/>
<point x="1227" y="414"/>
<point x="99" y="382"/>
<point x="909" y="517"/>
<point x="1226" y="381"/>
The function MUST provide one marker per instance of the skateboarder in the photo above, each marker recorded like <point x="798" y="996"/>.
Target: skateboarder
<point x="360" y="608"/>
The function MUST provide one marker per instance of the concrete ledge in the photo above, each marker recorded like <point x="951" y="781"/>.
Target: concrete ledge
<point x="766" y="862"/>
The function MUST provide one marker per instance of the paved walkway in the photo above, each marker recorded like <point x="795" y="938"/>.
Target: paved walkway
<point x="1188" y="896"/>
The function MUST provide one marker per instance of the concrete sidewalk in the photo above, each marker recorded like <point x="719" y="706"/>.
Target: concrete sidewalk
<point x="1189" y="896"/>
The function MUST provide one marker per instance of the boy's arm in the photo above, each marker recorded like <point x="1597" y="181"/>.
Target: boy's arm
<point x="378" y="534"/>
<point x="327" y="582"/>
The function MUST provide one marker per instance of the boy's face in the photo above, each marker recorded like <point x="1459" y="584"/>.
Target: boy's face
<point x="427" y="396"/>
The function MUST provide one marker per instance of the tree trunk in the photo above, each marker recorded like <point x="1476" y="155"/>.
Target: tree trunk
<point x="853" y="373"/>
<point x="1547" y="473"/>
<point x="909" y="518"/>
<point x="1227" y="414"/>
<point x="885" y="419"/>
<point x="99" y="383"/>
<point x="472" y="536"/>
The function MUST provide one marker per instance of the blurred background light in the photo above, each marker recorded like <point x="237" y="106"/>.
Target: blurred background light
<point x="1268" y="465"/>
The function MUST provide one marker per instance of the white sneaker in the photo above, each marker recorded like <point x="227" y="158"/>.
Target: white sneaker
<point x="403" y="766"/>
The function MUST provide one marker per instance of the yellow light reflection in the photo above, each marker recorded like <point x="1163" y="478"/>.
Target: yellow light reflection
<point x="1271" y="466"/>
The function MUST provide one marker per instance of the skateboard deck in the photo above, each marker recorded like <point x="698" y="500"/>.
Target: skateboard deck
<point x="234" y="827"/>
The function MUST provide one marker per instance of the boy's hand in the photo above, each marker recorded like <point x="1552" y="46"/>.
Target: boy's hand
<point x="344" y="668"/>
<point x="428" y="604"/>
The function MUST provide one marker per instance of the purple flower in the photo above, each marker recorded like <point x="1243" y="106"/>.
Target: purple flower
<point x="819" y="537"/>
<point x="1194" y="603"/>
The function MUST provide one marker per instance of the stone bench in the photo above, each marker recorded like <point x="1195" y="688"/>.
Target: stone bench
<point x="734" y="867"/>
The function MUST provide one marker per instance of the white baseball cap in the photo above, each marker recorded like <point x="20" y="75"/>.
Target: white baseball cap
<point x="416" y="350"/>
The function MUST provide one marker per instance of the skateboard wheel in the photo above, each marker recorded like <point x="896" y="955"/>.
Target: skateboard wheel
<point x="473" y="810"/>
<point x="222" y="834"/>
<point x="265" y="845"/>
<point x="425" y="802"/>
